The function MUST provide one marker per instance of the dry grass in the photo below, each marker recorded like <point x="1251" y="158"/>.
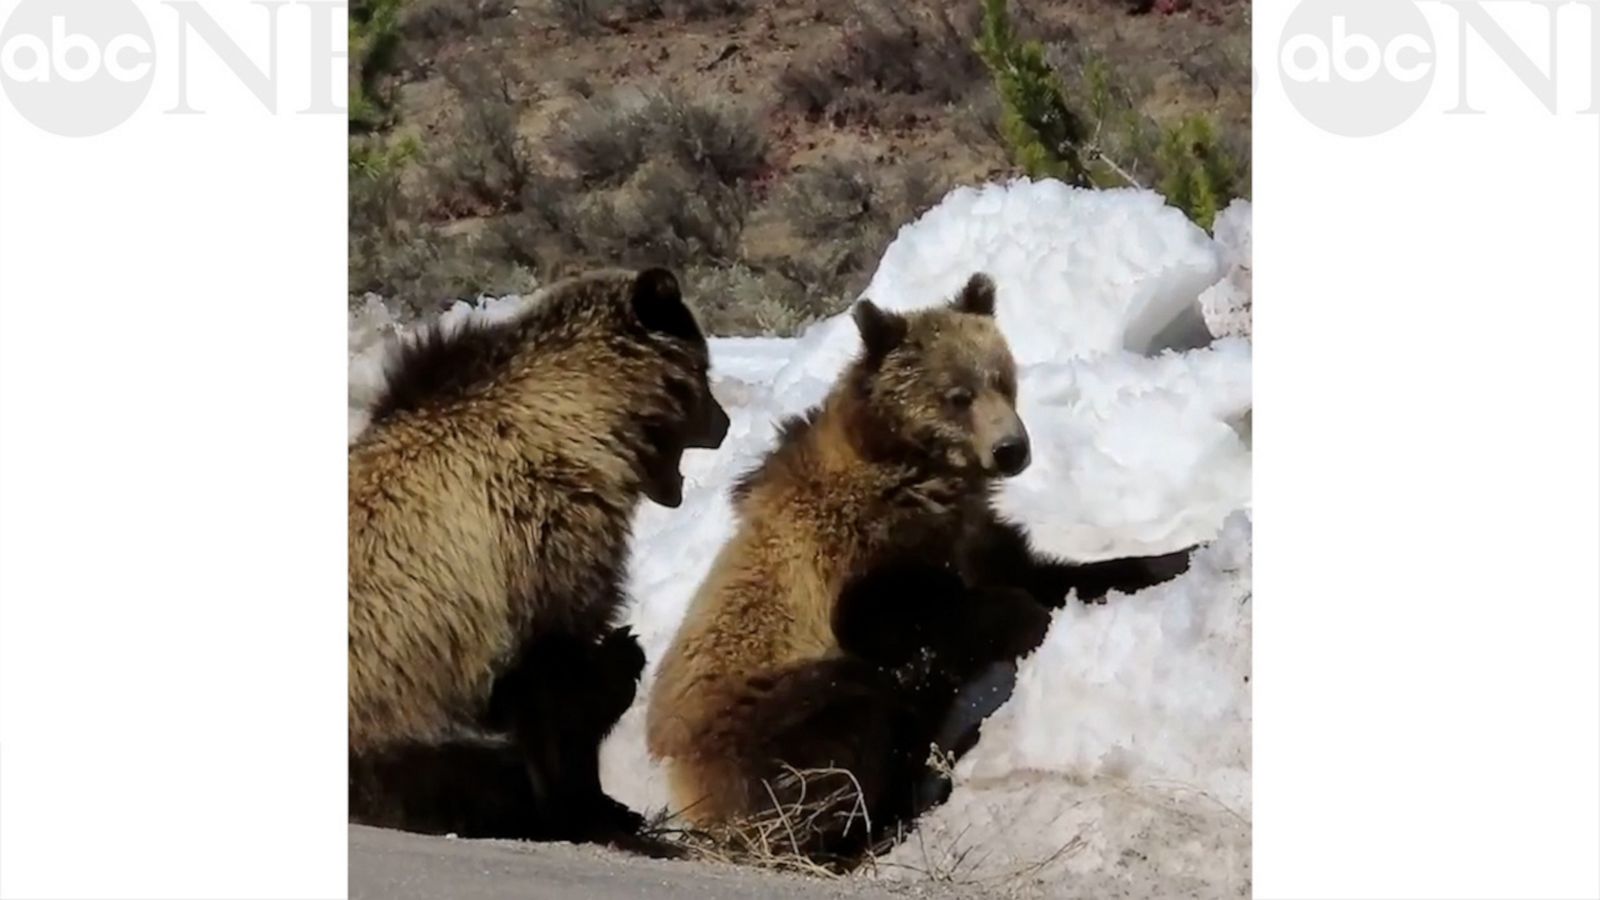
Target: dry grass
<point x="825" y="804"/>
<point x="807" y="807"/>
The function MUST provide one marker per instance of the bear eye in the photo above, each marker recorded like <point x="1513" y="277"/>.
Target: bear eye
<point x="959" y="398"/>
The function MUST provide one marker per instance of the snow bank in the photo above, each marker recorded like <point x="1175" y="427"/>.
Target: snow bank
<point x="1226" y="305"/>
<point x="1127" y="742"/>
<point x="1121" y="765"/>
<point x="1125" y="753"/>
<point x="373" y="330"/>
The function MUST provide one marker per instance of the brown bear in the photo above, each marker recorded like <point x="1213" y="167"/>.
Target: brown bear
<point x="490" y="508"/>
<point x="870" y="605"/>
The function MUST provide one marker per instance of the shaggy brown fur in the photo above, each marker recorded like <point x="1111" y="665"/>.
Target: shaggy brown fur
<point x="869" y="590"/>
<point x="490" y="505"/>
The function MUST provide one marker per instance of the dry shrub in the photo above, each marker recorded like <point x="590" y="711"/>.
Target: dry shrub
<point x="667" y="217"/>
<point x="434" y="21"/>
<point x="607" y="139"/>
<point x="915" y="48"/>
<point x="579" y="16"/>
<point x="713" y="138"/>
<point x="849" y="210"/>
<point x="811" y="84"/>
<point x="738" y="301"/>
<point x="604" y="140"/>
<point x="487" y="164"/>
<point x="386" y="246"/>
<point x="922" y="49"/>
<point x="664" y="216"/>
<point x="590" y="16"/>
<point x="708" y="9"/>
<point x="395" y="253"/>
<point x="978" y="119"/>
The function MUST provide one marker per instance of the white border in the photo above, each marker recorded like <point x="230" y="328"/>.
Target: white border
<point x="172" y="650"/>
<point x="1427" y="691"/>
<point x="171" y="532"/>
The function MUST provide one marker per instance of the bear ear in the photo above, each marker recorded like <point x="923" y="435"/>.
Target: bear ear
<point x="977" y="297"/>
<point x="658" y="302"/>
<point x="880" y="331"/>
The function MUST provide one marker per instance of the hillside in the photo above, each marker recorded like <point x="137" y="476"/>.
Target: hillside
<point x="767" y="150"/>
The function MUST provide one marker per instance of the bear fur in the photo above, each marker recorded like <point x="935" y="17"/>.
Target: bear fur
<point x="490" y="507"/>
<point x="870" y="605"/>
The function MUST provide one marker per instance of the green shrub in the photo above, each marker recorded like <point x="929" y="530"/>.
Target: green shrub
<point x="1086" y="128"/>
<point x="1199" y="175"/>
<point x="1040" y="128"/>
<point x="374" y="42"/>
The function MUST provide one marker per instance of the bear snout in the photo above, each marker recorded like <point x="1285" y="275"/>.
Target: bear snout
<point x="1012" y="454"/>
<point x="713" y="429"/>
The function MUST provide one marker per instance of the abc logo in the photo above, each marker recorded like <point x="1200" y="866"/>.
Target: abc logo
<point x="1357" y="68"/>
<point x="73" y="57"/>
<point x="76" y="67"/>
<point x="1357" y="57"/>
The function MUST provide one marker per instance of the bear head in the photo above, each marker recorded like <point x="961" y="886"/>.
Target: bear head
<point x="689" y="416"/>
<point x="939" y="386"/>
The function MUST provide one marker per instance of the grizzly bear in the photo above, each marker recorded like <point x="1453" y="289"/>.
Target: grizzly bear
<point x="490" y="509"/>
<point x="870" y="605"/>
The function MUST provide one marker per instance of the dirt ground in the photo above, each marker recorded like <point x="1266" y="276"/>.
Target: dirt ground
<point x="391" y="865"/>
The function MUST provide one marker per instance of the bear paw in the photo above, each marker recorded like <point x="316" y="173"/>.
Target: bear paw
<point x="621" y="655"/>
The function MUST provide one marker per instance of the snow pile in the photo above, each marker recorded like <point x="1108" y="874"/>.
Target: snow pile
<point x="1226" y="305"/>
<point x="1078" y="274"/>
<point x="1124" y="754"/>
<point x="1121" y="765"/>
<point x="373" y="331"/>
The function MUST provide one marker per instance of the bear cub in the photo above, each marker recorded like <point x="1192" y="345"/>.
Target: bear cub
<point x="870" y="606"/>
